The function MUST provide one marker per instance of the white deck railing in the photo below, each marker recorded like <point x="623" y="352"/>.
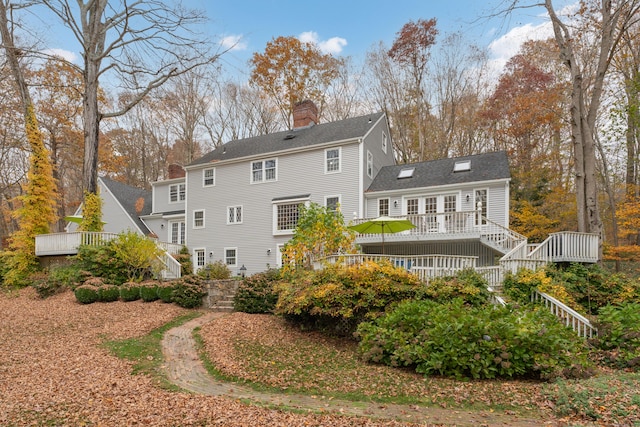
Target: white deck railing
<point x="68" y="244"/>
<point x="571" y="318"/>
<point x="567" y="246"/>
<point x="444" y="262"/>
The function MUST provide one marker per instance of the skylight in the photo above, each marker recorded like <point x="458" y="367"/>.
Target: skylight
<point x="462" y="166"/>
<point x="406" y="173"/>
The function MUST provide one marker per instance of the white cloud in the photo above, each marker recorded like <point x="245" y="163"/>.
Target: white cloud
<point x="64" y="54"/>
<point x="333" y="46"/>
<point x="233" y="42"/>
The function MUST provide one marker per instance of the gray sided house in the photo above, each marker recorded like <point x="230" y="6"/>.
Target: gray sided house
<point x="123" y="208"/>
<point x="243" y="197"/>
<point x="450" y="201"/>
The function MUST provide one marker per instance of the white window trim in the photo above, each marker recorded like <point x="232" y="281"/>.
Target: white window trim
<point x="338" y="196"/>
<point x="369" y="164"/>
<point x="326" y="160"/>
<point x="194" y="219"/>
<point x="178" y="193"/>
<point x="388" y="205"/>
<point x="195" y="258"/>
<point x="225" y="256"/>
<point x="234" y="214"/>
<point x="204" y="177"/>
<point x="170" y="231"/>
<point x="264" y="172"/>
<point x="275" y="205"/>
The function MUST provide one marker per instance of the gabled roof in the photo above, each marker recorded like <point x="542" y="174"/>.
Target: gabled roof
<point x="483" y="167"/>
<point x="128" y="197"/>
<point x="301" y="138"/>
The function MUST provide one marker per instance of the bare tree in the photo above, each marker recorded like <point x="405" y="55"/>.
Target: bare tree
<point x="141" y="44"/>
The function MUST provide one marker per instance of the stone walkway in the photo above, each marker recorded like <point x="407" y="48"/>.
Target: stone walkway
<point x="185" y="369"/>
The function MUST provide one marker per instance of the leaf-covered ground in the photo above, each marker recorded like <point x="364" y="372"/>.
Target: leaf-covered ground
<point x="55" y="372"/>
<point x="265" y="349"/>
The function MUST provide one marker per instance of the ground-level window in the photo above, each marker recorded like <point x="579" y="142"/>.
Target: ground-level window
<point x="231" y="257"/>
<point x="383" y="207"/>
<point x="199" y="258"/>
<point x="177" y="232"/>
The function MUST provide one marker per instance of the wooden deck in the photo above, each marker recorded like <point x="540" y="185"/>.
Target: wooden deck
<point x="60" y="244"/>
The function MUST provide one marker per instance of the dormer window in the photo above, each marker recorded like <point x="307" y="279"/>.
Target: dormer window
<point x="462" y="166"/>
<point x="406" y="173"/>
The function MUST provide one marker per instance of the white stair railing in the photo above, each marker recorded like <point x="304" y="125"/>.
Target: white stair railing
<point x="571" y="318"/>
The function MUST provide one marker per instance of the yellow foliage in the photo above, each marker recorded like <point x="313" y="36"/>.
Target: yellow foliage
<point x="91" y="213"/>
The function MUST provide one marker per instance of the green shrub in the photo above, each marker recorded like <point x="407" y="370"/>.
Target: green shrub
<point x="128" y="257"/>
<point x="101" y="261"/>
<point x="130" y="291"/>
<point x="43" y="286"/>
<point x="255" y="294"/>
<point x="215" y="271"/>
<point x="108" y="293"/>
<point x="70" y="276"/>
<point x="619" y="335"/>
<point x="86" y="294"/>
<point x="467" y="284"/>
<point x="165" y="292"/>
<point x="184" y="258"/>
<point x="473" y="342"/>
<point x="345" y="295"/>
<point x="519" y="287"/>
<point x="149" y="291"/>
<point x="188" y="292"/>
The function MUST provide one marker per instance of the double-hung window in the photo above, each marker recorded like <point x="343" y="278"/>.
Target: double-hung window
<point x="209" y="177"/>
<point x="264" y="171"/>
<point x="332" y="203"/>
<point x="332" y="160"/>
<point x="198" y="219"/>
<point x="231" y="256"/>
<point x="177" y="193"/>
<point x="234" y="215"/>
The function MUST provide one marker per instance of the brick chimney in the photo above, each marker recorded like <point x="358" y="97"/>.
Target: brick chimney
<point x="304" y="114"/>
<point x="175" y="171"/>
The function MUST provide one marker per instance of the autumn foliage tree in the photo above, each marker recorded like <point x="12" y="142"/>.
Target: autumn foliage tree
<point x="319" y="232"/>
<point x="290" y="71"/>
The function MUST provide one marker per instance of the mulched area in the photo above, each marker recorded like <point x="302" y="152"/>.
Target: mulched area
<point x="53" y="371"/>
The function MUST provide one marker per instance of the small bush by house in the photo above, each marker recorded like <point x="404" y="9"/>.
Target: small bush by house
<point x="256" y="294"/>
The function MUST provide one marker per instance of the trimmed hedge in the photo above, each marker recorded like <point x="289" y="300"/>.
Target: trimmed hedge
<point x="189" y="291"/>
<point x="130" y="291"/>
<point x="149" y="291"/>
<point x="165" y="292"/>
<point x="86" y="294"/>
<point x="108" y="293"/>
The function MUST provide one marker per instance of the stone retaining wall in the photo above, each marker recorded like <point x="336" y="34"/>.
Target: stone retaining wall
<point x="220" y="292"/>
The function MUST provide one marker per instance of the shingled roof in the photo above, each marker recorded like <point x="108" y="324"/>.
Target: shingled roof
<point x="292" y="139"/>
<point x="482" y="167"/>
<point x="128" y="197"/>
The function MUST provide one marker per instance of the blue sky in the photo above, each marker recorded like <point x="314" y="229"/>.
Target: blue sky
<point x="343" y="28"/>
<point x="351" y="27"/>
